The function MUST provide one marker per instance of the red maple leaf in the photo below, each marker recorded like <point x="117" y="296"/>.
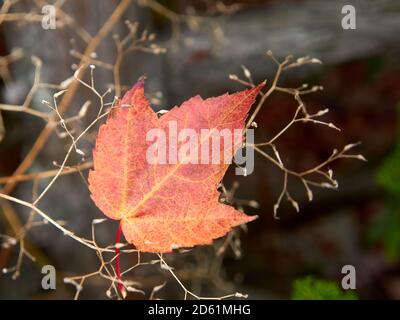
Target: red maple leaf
<point x="174" y="204"/>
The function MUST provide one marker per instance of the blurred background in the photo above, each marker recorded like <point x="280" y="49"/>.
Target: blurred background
<point x="197" y="45"/>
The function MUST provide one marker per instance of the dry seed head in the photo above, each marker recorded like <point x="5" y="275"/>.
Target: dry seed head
<point x="233" y="77"/>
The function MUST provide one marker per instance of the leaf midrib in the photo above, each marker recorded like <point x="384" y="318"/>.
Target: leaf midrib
<point x="158" y="185"/>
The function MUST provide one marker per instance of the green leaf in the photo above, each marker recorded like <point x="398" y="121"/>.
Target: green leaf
<point x="388" y="175"/>
<point x="385" y="229"/>
<point x="312" y="288"/>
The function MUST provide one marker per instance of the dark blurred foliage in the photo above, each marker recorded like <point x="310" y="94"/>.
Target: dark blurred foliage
<point x="359" y="224"/>
<point x="386" y="229"/>
<point x="337" y="228"/>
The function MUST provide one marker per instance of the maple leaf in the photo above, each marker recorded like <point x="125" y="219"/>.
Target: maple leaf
<point x="171" y="205"/>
